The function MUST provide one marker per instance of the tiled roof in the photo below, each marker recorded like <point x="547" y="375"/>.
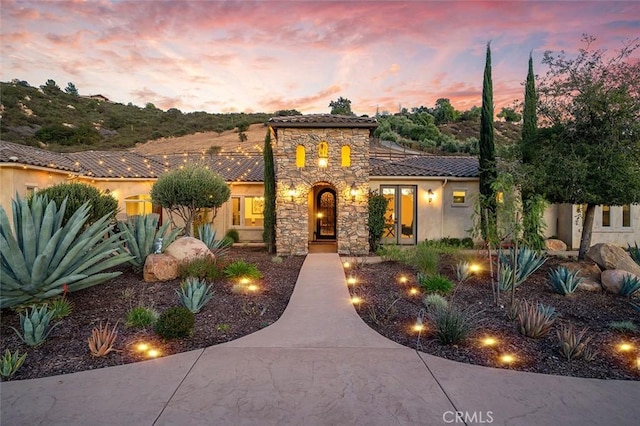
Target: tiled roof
<point x="323" y="120"/>
<point x="116" y="164"/>
<point x="427" y="166"/>
<point x="31" y="156"/>
<point x="232" y="167"/>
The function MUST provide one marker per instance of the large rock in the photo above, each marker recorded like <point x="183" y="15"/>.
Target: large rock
<point x="590" y="274"/>
<point x="612" y="279"/>
<point x="609" y="256"/>
<point x="555" y="245"/>
<point x="187" y="248"/>
<point x="160" y="267"/>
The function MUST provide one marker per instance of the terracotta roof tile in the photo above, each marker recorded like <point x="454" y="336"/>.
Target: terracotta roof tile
<point x="232" y="167"/>
<point x="427" y="165"/>
<point x="323" y="120"/>
<point x="31" y="156"/>
<point x="116" y="164"/>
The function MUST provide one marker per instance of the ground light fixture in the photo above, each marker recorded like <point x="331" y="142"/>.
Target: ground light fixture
<point x="252" y="287"/>
<point x="413" y="291"/>
<point x="474" y="267"/>
<point x="356" y="300"/>
<point x="625" y="347"/>
<point x="147" y="350"/>
<point x="507" y="359"/>
<point x="346" y="264"/>
<point x="489" y="341"/>
<point x="352" y="280"/>
<point x="418" y="326"/>
<point x="402" y="279"/>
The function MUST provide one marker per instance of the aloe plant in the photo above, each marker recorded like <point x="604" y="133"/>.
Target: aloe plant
<point x="194" y="294"/>
<point x="207" y="235"/>
<point x="11" y="362"/>
<point x="41" y="258"/>
<point x="528" y="262"/>
<point x="535" y="320"/>
<point x="35" y="325"/>
<point x="564" y="281"/>
<point x="140" y="232"/>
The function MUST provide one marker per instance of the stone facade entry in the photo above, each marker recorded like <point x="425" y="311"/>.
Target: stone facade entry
<point x="322" y="181"/>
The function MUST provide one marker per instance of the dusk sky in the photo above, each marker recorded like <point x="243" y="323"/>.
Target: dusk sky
<point x="269" y="55"/>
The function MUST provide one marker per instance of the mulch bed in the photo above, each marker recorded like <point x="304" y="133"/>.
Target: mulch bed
<point x="389" y="309"/>
<point x="226" y="317"/>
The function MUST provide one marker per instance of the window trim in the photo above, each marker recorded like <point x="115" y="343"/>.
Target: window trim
<point x="242" y="212"/>
<point x="465" y="203"/>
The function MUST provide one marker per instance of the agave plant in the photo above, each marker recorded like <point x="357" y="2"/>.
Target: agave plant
<point x="630" y="285"/>
<point x="43" y="255"/>
<point x="634" y="252"/>
<point x="140" y="233"/>
<point x="194" y="294"/>
<point x="11" y="362"/>
<point x="564" y="281"/>
<point x="35" y="325"/>
<point x="573" y="344"/>
<point x="528" y="262"/>
<point x="207" y="235"/>
<point x="535" y="321"/>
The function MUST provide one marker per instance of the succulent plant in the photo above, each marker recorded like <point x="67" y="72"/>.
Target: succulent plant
<point x="11" y="362"/>
<point x="34" y="323"/>
<point x="535" y="321"/>
<point x="528" y="262"/>
<point x="140" y="233"/>
<point x="102" y="340"/>
<point x="564" y="281"/>
<point x="573" y="344"/>
<point x="207" y="235"/>
<point x="194" y="294"/>
<point x="434" y="301"/>
<point x="630" y="285"/>
<point x="41" y="258"/>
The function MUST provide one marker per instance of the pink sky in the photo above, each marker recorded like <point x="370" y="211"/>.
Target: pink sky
<point x="268" y="55"/>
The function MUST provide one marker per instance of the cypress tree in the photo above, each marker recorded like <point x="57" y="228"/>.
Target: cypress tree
<point x="530" y="120"/>
<point x="269" y="232"/>
<point x="487" y="163"/>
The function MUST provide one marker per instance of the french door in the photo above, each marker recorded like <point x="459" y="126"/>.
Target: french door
<point x="400" y="217"/>
<point x="326" y="215"/>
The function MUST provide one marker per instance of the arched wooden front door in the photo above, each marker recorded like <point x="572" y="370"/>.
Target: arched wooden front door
<point x="326" y="215"/>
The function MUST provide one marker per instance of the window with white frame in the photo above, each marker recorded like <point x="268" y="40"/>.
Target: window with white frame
<point x="247" y="211"/>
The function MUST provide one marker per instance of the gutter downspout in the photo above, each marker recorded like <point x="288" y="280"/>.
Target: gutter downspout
<point x="444" y="183"/>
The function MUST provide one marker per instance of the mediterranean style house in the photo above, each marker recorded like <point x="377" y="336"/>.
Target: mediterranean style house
<point x="325" y="167"/>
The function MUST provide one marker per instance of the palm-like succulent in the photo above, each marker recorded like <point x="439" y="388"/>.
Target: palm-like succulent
<point x="40" y="254"/>
<point x="564" y="281"/>
<point x="35" y="325"/>
<point x="219" y="248"/>
<point x="140" y="232"/>
<point x="194" y="294"/>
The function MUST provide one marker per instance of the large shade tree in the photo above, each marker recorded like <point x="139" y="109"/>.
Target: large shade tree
<point x="186" y="191"/>
<point x="591" y="151"/>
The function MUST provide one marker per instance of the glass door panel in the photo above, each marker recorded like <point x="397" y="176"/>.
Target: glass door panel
<point x="390" y="223"/>
<point x="400" y="223"/>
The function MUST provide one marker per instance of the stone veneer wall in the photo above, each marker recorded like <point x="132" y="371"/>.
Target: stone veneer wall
<point x="292" y="221"/>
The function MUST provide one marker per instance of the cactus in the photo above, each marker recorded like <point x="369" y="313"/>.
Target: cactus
<point x="140" y="233"/>
<point x="207" y="235"/>
<point x="35" y="325"/>
<point x="43" y="254"/>
<point x="10" y="363"/>
<point x="564" y="281"/>
<point x="194" y="294"/>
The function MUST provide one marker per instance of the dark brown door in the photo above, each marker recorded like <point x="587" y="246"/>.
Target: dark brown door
<point x="326" y="215"/>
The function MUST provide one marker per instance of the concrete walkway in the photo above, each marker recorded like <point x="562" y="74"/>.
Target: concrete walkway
<point x="319" y="364"/>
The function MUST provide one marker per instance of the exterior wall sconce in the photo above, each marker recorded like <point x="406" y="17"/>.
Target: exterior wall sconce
<point x="291" y="192"/>
<point x="353" y="192"/>
<point x="323" y="162"/>
<point x="430" y="195"/>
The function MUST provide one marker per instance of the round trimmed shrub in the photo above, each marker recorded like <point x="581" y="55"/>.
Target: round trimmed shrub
<point x="175" y="322"/>
<point x="77" y="194"/>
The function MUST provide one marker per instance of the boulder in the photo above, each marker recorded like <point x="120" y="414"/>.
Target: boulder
<point x="160" y="267"/>
<point x="555" y="245"/>
<point x="590" y="274"/>
<point x="185" y="249"/>
<point x="612" y="279"/>
<point x="609" y="256"/>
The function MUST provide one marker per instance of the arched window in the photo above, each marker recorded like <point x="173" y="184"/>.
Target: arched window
<point x="323" y="154"/>
<point x="346" y="156"/>
<point x="300" y="154"/>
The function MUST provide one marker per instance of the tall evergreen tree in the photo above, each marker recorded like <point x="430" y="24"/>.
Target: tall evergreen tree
<point x="532" y="204"/>
<point x="269" y="232"/>
<point x="488" y="172"/>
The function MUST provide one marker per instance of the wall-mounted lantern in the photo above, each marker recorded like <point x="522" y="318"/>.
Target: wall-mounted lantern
<point x="353" y="192"/>
<point x="291" y="192"/>
<point x="430" y="195"/>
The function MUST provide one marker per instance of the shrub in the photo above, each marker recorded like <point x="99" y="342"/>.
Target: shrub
<point x="435" y="283"/>
<point x="233" y="235"/>
<point x="434" y="301"/>
<point x="11" y="362"/>
<point x="451" y="324"/>
<point x="78" y="194"/>
<point x="219" y="248"/>
<point x="277" y="259"/>
<point x="140" y="233"/>
<point x="535" y="321"/>
<point x="630" y="285"/>
<point x="564" y="281"/>
<point x="35" y="325"/>
<point x="204" y="268"/>
<point x="175" y="322"/>
<point x="194" y="294"/>
<point x="141" y="317"/>
<point x="467" y="243"/>
<point x="102" y="340"/>
<point x="242" y="269"/>
<point x="45" y="258"/>
<point x="624" y="326"/>
<point x="528" y="262"/>
<point x="573" y="344"/>
<point x="391" y="252"/>
<point x="425" y="258"/>
<point x="377" y="209"/>
<point x="463" y="271"/>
